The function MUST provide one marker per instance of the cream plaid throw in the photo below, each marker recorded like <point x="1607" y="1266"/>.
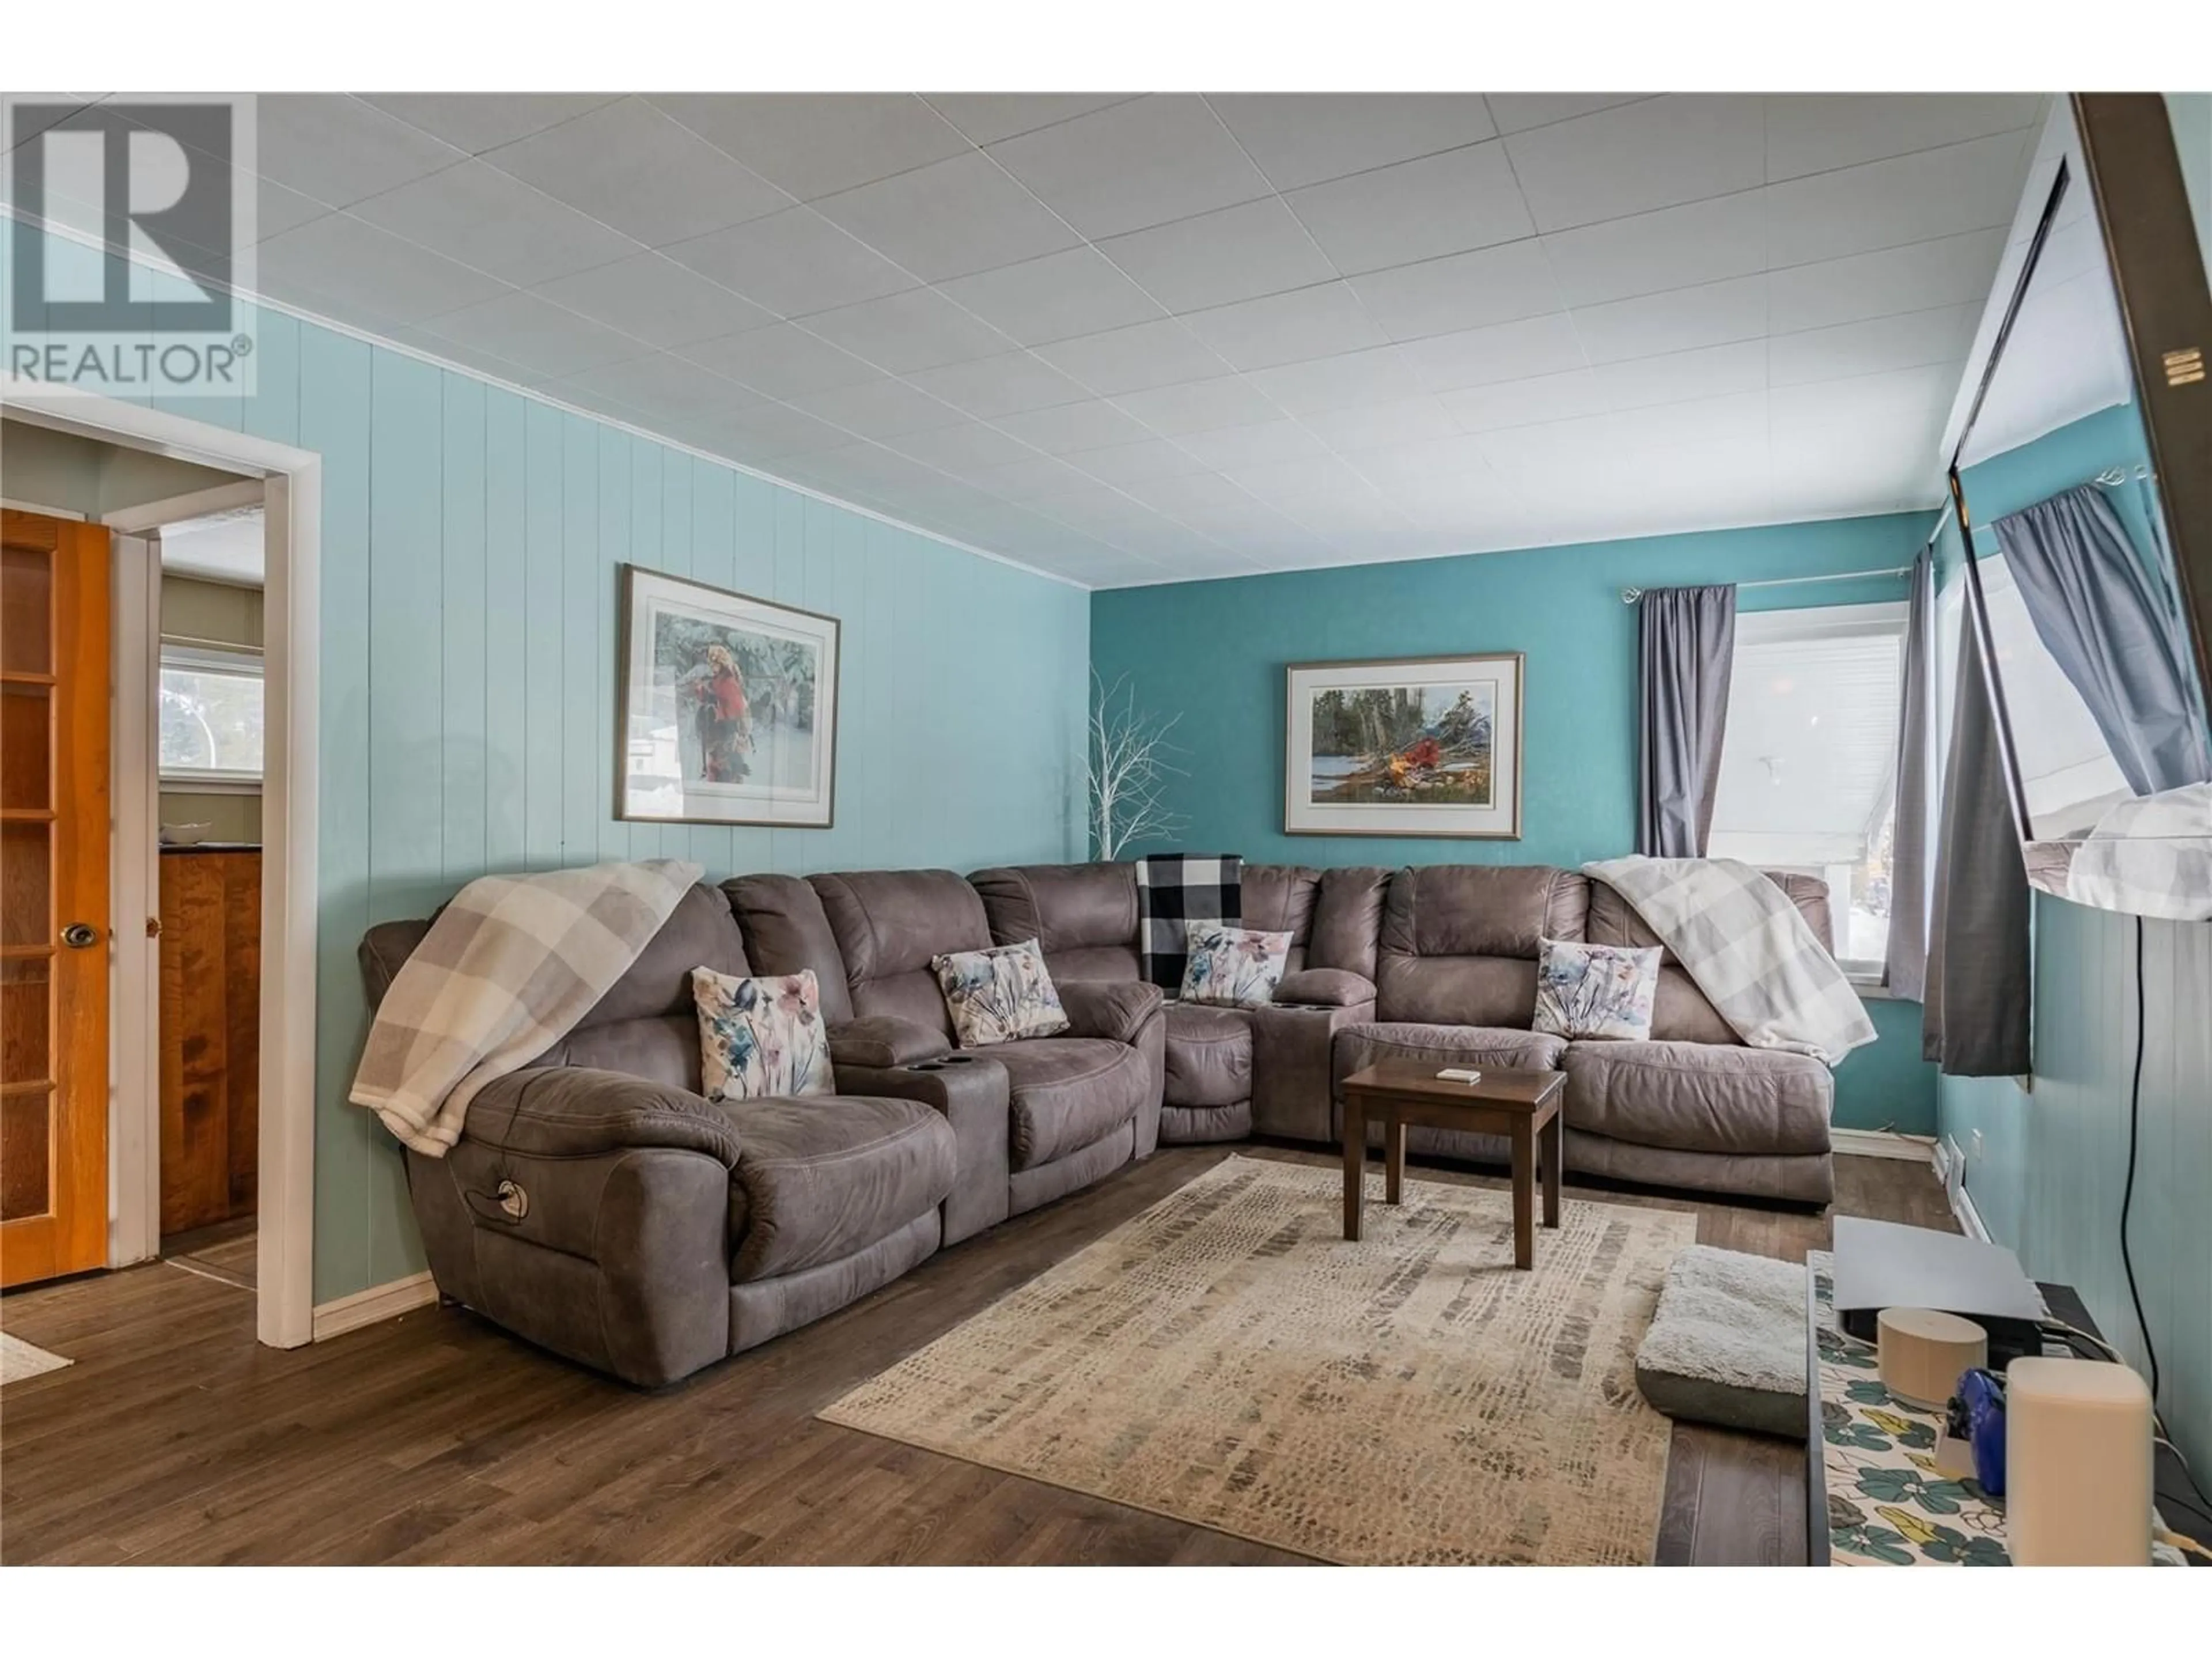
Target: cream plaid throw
<point x="506" y="970"/>
<point x="1739" y="937"/>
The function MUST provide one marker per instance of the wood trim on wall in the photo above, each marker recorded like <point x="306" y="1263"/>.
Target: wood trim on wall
<point x="377" y="1303"/>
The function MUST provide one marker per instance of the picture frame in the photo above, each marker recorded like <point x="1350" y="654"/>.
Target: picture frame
<point x="728" y="707"/>
<point x="1409" y="746"/>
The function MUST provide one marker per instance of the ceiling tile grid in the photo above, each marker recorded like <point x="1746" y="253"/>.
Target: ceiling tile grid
<point x="1134" y="337"/>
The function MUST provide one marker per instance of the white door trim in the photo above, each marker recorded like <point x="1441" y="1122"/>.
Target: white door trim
<point x="294" y="478"/>
<point x="133" y="1123"/>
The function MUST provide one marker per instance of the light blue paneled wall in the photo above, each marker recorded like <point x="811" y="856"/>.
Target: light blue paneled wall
<point x="1214" y="653"/>
<point x="472" y="538"/>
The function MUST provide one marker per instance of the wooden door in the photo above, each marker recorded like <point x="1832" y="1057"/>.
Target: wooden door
<point x="211" y="1034"/>
<point x="54" y="579"/>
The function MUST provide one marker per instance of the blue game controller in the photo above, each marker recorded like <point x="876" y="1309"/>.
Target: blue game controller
<point x="1976" y="1416"/>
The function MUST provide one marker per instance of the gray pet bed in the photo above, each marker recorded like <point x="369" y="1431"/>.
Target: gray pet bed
<point x="1727" y="1344"/>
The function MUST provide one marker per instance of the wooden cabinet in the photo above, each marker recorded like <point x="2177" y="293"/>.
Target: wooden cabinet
<point x="210" y="1034"/>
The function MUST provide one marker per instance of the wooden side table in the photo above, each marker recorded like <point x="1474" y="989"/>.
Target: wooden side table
<point x="1522" y="1106"/>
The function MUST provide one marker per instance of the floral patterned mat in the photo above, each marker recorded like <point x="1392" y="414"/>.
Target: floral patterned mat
<point x="1888" y="1504"/>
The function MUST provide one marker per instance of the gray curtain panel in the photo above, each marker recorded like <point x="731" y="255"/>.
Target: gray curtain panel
<point x="2098" y="610"/>
<point x="1688" y="647"/>
<point x="1979" y="983"/>
<point x="1907" y="958"/>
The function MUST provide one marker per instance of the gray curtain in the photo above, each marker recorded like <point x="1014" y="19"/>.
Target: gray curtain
<point x="2098" y="610"/>
<point x="1907" y="958"/>
<point x="1688" y="646"/>
<point x="1975" y="1021"/>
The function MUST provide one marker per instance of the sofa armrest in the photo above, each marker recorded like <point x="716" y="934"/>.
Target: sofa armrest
<point x="1115" y="1009"/>
<point x="1325" y="987"/>
<point x="972" y="1093"/>
<point x="578" y="1111"/>
<point x="884" y="1040"/>
<point x="1292" y="1068"/>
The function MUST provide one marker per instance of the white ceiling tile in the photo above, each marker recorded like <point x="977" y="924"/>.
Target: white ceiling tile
<point x="1215" y="259"/>
<point x="1874" y="346"/>
<point x="1188" y="497"/>
<point x="1517" y="112"/>
<point x="1198" y="405"/>
<point x="1308" y="138"/>
<point x="1069" y="428"/>
<point x="1164" y="353"/>
<point x="782" y="360"/>
<point x="485" y="218"/>
<point x="1935" y="192"/>
<point x="1527" y="403"/>
<point x="1132" y="165"/>
<point x="1919" y="276"/>
<point x="627" y="165"/>
<point x="1683" y="376"/>
<point x="1378" y="426"/>
<point x="1454" y="463"/>
<point x="1055" y="298"/>
<point x="277" y="209"/>
<point x="1740" y="418"/>
<point x="1712" y="313"/>
<point x="1022" y="480"/>
<point x="1649" y="252"/>
<point x="1818" y="133"/>
<point x="478" y="121"/>
<point x="359" y="265"/>
<point x="988" y="387"/>
<point x="949" y="219"/>
<point x="903" y="333"/>
<point x="1148" y="458"/>
<point x="987" y="117"/>
<point x="965" y="449"/>
<point x="1682" y="147"/>
<point x="1255" y="446"/>
<point x="1286" y="328"/>
<point x="1466" y="290"/>
<point x="815" y="144"/>
<point x="655" y="299"/>
<point x="1448" y="204"/>
<point x="762" y="432"/>
<point x="337" y="149"/>
<point x="483" y="364"/>
<point x="536" y="333"/>
<point x="793" y="263"/>
<point x="1520" y="350"/>
<point x="1913" y="400"/>
<point x="1378" y="376"/>
<point x="660" y="384"/>
<point x="879" y="409"/>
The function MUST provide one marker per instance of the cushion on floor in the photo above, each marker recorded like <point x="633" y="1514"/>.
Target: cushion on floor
<point x="1727" y="1344"/>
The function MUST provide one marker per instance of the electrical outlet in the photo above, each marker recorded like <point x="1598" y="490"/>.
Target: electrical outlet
<point x="1954" y="1166"/>
<point x="1974" y="1145"/>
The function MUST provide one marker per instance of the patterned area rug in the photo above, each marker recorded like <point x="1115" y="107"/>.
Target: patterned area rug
<point x="1227" y="1358"/>
<point x="20" y="1360"/>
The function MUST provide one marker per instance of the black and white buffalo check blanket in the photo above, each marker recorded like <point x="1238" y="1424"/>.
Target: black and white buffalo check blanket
<point x="1174" y="889"/>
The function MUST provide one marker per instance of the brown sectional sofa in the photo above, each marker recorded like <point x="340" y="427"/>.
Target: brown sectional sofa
<point x="599" y="1206"/>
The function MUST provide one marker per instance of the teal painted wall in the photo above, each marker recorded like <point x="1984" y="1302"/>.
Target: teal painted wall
<point x="2047" y="1171"/>
<point x="1214" y="652"/>
<point x="471" y="537"/>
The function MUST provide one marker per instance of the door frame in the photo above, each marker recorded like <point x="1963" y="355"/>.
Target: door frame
<point x="292" y="479"/>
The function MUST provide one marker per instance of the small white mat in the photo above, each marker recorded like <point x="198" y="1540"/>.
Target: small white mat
<point x="19" y="1359"/>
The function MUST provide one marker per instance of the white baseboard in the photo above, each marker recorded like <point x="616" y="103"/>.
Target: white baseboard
<point x="377" y="1302"/>
<point x="1883" y="1143"/>
<point x="1970" y="1218"/>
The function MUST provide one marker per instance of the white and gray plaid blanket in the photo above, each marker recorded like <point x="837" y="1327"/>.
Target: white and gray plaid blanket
<point x="2150" y="857"/>
<point x="506" y="971"/>
<point x="1739" y="937"/>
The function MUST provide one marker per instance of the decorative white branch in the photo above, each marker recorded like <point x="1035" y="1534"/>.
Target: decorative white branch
<point x="1128" y="771"/>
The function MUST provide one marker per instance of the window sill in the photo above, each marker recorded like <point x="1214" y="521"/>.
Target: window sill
<point x="1874" y="990"/>
<point x="193" y="786"/>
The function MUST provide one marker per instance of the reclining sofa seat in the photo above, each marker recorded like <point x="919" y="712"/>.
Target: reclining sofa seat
<point x="598" y="1205"/>
<point x="1455" y="985"/>
<point x="1227" y="1073"/>
<point x="1035" y="1118"/>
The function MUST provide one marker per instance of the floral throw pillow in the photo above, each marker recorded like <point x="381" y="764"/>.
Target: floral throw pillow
<point x="1234" y="967"/>
<point x="1596" y="990"/>
<point x="760" y="1037"/>
<point x="999" y="995"/>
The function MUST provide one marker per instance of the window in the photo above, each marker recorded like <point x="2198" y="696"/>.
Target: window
<point x="210" y="708"/>
<point x="1808" y="767"/>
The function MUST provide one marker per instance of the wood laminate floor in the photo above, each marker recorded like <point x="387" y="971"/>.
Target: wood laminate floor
<point x="436" y="1437"/>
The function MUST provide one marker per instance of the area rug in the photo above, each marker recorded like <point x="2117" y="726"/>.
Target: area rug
<point x="1227" y="1358"/>
<point x="19" y="1360"/>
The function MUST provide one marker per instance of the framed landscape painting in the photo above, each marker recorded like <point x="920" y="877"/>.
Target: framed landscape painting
<point x="729" y="707"/>
<point x="1414" y="746"/>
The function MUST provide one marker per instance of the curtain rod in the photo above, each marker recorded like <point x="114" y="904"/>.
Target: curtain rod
<point x="1630" y="595"/>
